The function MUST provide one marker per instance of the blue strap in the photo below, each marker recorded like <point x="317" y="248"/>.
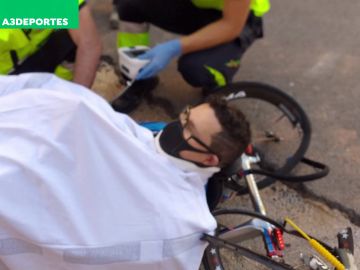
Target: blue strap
<point x="153" y="126"/>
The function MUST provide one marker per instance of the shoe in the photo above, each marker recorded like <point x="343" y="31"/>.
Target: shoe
<point x="131" y="99"/>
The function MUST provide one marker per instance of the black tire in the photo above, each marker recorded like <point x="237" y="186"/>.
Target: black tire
<point x="261" y="99"/>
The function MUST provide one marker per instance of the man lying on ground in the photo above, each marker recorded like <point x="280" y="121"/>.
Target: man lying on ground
<point x="84" y="186"/>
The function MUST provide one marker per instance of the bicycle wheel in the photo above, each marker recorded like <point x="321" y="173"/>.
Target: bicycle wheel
<point x="280" y="128"/>
<point x="252" y="254"/>
<point x="221" y="259"/>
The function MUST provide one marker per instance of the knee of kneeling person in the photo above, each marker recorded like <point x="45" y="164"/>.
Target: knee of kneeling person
<point x="195" y="73"/>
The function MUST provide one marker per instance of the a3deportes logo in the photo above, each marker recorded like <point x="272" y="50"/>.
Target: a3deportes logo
<point x="34" y="22"/>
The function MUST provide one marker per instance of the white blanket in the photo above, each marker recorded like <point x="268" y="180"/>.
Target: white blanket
<point x="83" y="187"/>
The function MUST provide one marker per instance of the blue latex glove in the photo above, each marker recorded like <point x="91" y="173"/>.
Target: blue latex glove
<point x="159" y="57"/>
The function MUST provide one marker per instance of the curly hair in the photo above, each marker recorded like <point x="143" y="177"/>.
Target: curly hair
<point x="232" y="141"/>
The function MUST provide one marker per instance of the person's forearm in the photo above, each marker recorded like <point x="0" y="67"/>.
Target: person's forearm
<point x="212" y="35"/>
<point x="88" y="49"/>
<point x="86" y="62"/>
<point x="227" y="28"/>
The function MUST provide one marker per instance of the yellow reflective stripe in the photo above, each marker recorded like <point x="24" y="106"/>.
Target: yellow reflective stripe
<point x="215" y="4"/>
<point x="132" y="39"/>
<point x="4" y="35"/>
<point x="37" y="38"/>
<point x="6" y="63"/>
<point x="64" y="73"/>
<point x="218" y="76"/>
<point x="12" y="39"/>
<point x="259" y="7"/>
<point x="15" y="39"/>
<point x="5" y="58"/>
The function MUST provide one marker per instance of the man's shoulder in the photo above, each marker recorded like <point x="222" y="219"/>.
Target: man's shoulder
<point x="39" y="88"/>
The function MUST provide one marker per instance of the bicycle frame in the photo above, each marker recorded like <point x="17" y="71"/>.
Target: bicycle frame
<point x="269" y="230"/>
<point x="255" y="227"/>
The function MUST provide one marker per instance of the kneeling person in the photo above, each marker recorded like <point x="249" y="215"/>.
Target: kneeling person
<point x="71" y="54"/>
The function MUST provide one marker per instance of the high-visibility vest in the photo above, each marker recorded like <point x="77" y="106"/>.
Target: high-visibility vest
<point x="259" y="7"/>
<point x="18" y="44"/>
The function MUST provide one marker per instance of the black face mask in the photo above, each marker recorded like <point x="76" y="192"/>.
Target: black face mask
<point x="172" y="141"/>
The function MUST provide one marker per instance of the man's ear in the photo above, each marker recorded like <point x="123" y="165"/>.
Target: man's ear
<point x="211" y="160"/>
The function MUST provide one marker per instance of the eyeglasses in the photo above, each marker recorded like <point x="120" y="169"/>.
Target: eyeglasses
<point x="185" y="120"/>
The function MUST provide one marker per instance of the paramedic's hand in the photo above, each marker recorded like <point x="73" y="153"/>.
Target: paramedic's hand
<point x="159" y="57"/>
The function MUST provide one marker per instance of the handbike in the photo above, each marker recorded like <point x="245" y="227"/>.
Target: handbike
<point x="232" y="237"/>
<point x="281" y="136"/>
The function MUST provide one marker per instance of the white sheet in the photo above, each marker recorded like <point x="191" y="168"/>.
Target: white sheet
<point x="83" y="187"/>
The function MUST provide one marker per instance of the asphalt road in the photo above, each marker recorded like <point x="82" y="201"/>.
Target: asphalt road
<point x="311" y="51"/>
